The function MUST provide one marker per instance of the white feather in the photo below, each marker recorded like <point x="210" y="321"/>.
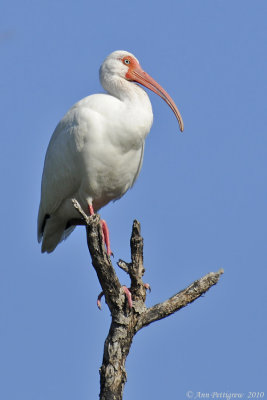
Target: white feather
<point x="95" y="153"/>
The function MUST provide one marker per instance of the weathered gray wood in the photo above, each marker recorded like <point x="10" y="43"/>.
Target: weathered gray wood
<point x="179" y="300"/>
<point x="127" y="321"/>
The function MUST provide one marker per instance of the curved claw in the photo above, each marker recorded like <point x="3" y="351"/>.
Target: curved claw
<point x="99" y="300"/>
<point x="128" y="295"/>
<point x="148" y="287"/>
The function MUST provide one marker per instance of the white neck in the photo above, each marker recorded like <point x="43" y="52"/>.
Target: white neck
<point x="134" y="98"/>
<point x="122" y="88"/>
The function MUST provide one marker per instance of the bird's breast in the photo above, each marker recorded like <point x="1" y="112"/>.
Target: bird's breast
<point x="110" y="171"/>
<point x="108" y="139"/>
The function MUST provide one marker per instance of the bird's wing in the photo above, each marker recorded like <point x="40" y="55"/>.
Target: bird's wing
<point x="60" y="178"/>
<point x="62" y="168"/>
<point x="140" y="163"/>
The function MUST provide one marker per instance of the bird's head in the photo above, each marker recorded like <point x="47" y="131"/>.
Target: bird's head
<point x="126" y="66"/>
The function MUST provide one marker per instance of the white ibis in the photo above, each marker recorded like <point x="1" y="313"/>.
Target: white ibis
<point x="96" y="151"/>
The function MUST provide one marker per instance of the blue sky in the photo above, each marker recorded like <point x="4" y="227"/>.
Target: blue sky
<point x="201" y="197"/>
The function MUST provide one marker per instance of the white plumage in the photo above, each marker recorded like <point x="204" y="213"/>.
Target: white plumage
<point x="96" y="151"/>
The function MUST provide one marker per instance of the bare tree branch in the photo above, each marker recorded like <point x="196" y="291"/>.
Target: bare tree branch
<point x="179" y="300"/>
<point x="127" y="321"/>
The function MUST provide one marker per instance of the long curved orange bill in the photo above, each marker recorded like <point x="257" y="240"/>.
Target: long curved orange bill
<point x="137" y="74"/>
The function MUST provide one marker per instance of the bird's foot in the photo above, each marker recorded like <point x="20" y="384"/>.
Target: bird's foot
<point x="147" y="286"/>
<point x="128" y="295"/>
<point x="106" y="236"/>
<point x="99" y="300"/>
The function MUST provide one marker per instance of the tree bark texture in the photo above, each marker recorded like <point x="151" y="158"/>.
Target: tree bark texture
<point x="126" y="321"/>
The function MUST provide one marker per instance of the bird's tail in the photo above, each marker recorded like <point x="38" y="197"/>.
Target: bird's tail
<point x="54" y="233"/>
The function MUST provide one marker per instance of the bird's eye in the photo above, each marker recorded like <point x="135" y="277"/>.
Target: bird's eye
<point x="126" y="61"/>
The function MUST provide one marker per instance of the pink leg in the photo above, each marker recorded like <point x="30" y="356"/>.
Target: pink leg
<point x="104" y="230"/>
<point x="91" y="210"/>
<point x="106" y="236"/>
<point x="128" y="295"/>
